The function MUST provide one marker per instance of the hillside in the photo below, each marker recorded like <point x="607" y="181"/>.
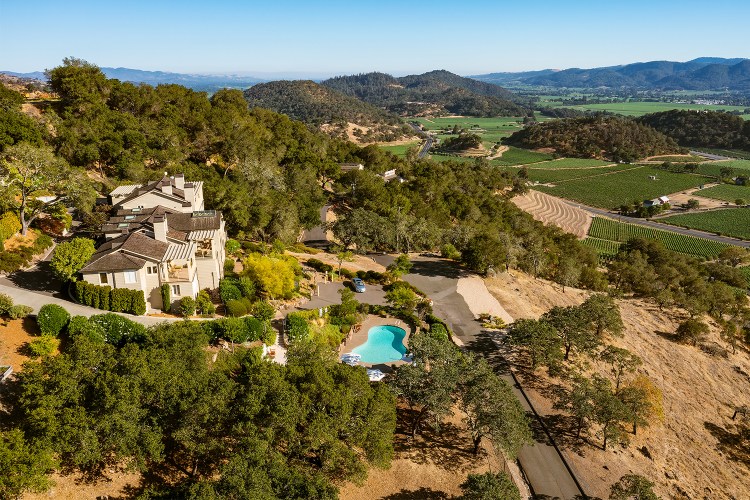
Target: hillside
<point x="704" y="73"/>
<point x="705" y="129"/>
<point x="605" y="137"/>
<point x="324" y="107"/>
<point x="695" y="452"/>
<point x="430" y="94"/>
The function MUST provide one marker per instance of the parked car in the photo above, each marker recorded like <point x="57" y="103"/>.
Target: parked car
<point x="359" y="285"/>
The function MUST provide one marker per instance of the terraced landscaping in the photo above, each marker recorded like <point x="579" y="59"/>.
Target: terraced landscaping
<point x="551" y="210"/>
<point x="613" y="231"/>
<point x="733" y="222"/>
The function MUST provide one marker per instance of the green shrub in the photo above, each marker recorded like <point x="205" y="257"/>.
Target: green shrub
<point x="346" y="273"/>
<point x="95" y="296"/>
<point x="254" y="328"/>
<point x="233" y="329"/>
<point x="19" y="311"/>
<point x="297" y="327"/>
<point x="166" y="297"/>
<point x="120" y="300"/>
<point x="376" y="277"/>
<point x="250" y="246"/>
<point x="6" y="302"/>
<point x="204" y="305"/>
<point x="43" y="346"/>
<point x="9" y="226"/>
<point x="118" y="330"/>
<point x="104" y="293"/>
<point x="229" y="265"/>
<point x="232" y="246"/>
<point x="52" y="319"/>
<point x="450" y="252"/>
<point x="320" y="266"/>
<point x="236" y="308"/>
<point x="187" y="307"/>
<point x="269" y="337"/>
<point x="78" y="289"/>
<point x="11" y="261"/>
<point x="228" y="290"/>
<point x="438" y="331"/>
<point x="81" y="325"/>
<point x="263" y="310"/>
<point x="246" y="287"/>
<point x="278" y="246"/>
<point x="138" y="302"/>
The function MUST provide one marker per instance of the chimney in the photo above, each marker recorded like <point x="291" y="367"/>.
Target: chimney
<point x="179" y="181"/>
<point x="189" y="189"/>
<point x="166" y="186"/>
<point x="160" y="228"/>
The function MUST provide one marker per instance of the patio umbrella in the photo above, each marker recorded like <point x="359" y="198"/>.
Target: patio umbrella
<point x="351" y="359"/>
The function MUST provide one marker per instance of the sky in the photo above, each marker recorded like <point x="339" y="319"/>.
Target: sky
<point x="323" y="38"/>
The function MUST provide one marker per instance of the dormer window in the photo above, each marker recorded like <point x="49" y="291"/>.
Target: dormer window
<point x="129" y="217"/>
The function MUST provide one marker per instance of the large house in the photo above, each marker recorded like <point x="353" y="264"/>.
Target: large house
<point x="177" y="243"/>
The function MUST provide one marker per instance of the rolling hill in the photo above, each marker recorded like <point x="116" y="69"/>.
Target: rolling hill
<point x="704" y="73"/>
<point x="327" y="109"/>
<point x="434" y="93"/>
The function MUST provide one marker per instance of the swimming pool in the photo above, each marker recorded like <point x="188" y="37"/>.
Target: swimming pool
<point x="385" y="343"/>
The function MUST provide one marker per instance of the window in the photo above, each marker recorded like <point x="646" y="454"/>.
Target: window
<point x="103" y="278"/>
<point x="175" y="289"/>
<point x="151" y="269"/>
<point x="137" y="209"/>
<point x="123" y="224"/>
<point x="130" y="277"/>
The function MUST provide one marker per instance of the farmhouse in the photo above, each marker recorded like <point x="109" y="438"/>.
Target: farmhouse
<point x="661" y="200"/>
<point x="348" y="167"/>
<point x="147" y="247"/>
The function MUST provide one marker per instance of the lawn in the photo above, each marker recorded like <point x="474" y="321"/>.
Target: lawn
<point x="627" y="186"/>
<point x="729" y="222"/>
<point x="518" y="156"/>
<point x="726" y="192"/>
<point x="613" y="231"/>
<point x="399" y="149"/>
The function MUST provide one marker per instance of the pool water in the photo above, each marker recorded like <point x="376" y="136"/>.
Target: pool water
<point x="385" y="343"/>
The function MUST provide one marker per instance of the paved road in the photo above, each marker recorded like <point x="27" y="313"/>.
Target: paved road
<point x="542" y="464"/>
<point x="659" y="225"/>
<point x="429" y="140"/>
<point x="709" y="156"/>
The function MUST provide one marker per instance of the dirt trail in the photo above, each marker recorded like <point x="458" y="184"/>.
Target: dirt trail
<point x="551" y="210"/>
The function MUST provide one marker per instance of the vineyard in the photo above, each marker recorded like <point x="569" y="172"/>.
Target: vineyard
<point x="713" y="168"/>
<point x="726" y="192"/>
<point x="566" y="174"/>
<point x="613" y="231"/>
<point x="571" y="163"/>
<point x="634" y="184"/>
<point x="605" y="248"/>
<point x="733" y="222"/>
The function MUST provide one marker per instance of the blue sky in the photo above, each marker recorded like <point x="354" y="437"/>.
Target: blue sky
<point x="338" y="37"/>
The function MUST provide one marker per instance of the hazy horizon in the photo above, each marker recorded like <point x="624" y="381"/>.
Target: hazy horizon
<point x="292" y="37"/>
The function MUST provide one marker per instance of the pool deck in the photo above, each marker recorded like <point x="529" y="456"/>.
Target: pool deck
<point x="359" y="337"/>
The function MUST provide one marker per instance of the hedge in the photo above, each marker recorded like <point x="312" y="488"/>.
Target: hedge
<point x="297" y="326"/>
<point x="239" y="330"/>
<point x="117" y="330"/>
<point x="109" y="299"/>
<point x="228" y="290"/>
<point x="320" y="266"/>
<point x="52" y="319"/>
<point x="166" y="297"/>
<point x="236" y="308"/>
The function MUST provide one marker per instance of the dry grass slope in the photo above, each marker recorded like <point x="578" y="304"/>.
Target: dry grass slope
<point x="551" y="210"/>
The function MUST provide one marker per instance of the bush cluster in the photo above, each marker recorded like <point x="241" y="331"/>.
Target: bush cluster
<point x="52" y="319"/>
<point x="373" y="277"/>
<point x="7" y="308"/>
<point x="320" y="266"/>
<point x="109" y="299"/>
<point x="239" y="330"/>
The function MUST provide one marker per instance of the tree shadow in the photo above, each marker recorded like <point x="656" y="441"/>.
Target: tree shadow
<point x="438" y="267"/>
<point x="563" y="428"/>
<point x="733" y="441"/>
<point x="420" y="494"/>
<point x="39" y="278"/>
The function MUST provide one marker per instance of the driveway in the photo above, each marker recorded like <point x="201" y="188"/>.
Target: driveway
<point x="329" y="295"/>
<point x="548" y="474"/>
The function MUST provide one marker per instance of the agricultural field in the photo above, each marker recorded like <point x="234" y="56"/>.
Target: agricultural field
<point x="613" y="231"/>
<point x="638" y="108"/>
<point x="616" y="189"/>
<point x="726" y="192"/>
<point x="678" y="159"/>
<point x="713" y="168"/>
<point x="491" y="130"/>
<point x="733" y="222"/>
<point x="732" y="153"/>
<point x="398" y="149"/>
<point x="518" y="156"/>
<point x="571" y="163"/>
<point x="556" y="175"/>
<point x="604" y="248"/>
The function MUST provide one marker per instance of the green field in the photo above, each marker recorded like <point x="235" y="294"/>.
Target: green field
<point x="491" y="130"/>
<point x="726" y="192"/>
<point x="627" y="186"/>
<point x="613" y="231"/>
<point x="571" y="163"/>
<point x="555" y="175"/>
<point x="399" y="150"/>
<point x="679" y="159"/>
<point x="638" y="108"/>
<point x="604" y="248"/>
<point x="518" y="156"/>
<point x="741" y="167"/>
<point x="733" y="153"/>
<point x="729" y="222"/>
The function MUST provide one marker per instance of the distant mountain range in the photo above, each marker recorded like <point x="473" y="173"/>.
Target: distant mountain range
<point x="208" y="83"/>
<point x="704" y="73"/>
